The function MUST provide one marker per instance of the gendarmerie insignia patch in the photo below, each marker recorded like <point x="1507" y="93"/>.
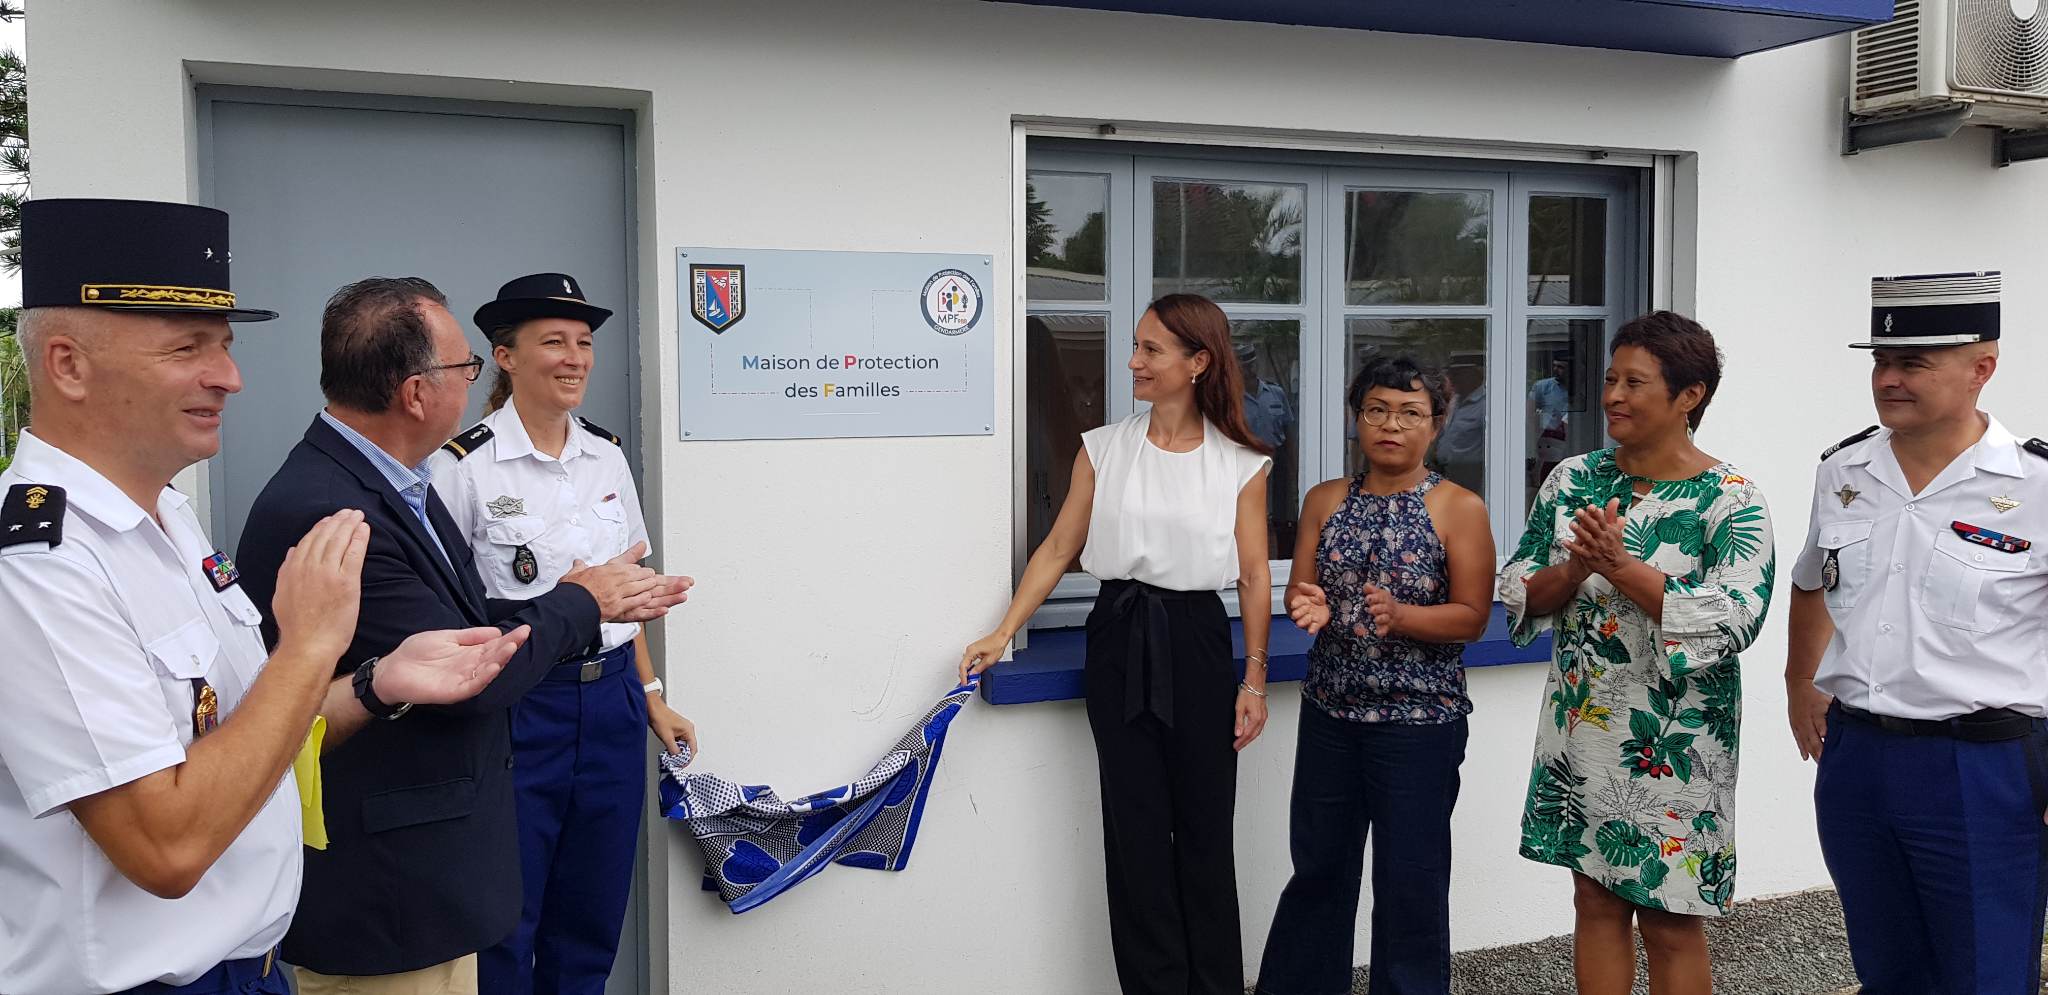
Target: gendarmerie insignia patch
<point x="466" y="443"/>
<point x="32" y="513"/>
<point x="602" y="433"/>
<point x="1846" y="443"/>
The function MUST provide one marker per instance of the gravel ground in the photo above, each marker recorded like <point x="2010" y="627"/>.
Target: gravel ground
<point x="1790" y="945"/>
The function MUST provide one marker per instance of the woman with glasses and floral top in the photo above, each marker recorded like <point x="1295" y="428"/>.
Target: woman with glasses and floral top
<point x="1393" y="573"/>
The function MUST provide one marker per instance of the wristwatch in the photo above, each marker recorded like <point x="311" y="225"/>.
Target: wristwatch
<point x="366" y="692"/>
<point x="652" y="687"/>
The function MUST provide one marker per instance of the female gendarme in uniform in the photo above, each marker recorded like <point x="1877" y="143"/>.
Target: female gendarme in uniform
<point x="1165" y="508"/>
<point x="535" y="489"/>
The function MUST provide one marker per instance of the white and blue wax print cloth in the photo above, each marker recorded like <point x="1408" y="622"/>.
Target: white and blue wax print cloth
<point x="757" y="846"/>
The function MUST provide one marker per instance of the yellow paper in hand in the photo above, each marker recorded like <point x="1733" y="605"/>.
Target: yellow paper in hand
<point x="306" y="770"/>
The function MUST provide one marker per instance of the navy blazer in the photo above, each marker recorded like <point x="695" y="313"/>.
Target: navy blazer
<point x="422" y="861"/>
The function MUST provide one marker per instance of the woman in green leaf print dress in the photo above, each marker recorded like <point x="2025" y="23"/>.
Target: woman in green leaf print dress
<point x="1652" y="563"/>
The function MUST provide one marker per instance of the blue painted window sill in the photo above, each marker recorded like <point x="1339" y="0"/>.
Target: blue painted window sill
<point x="1051" y="669"/>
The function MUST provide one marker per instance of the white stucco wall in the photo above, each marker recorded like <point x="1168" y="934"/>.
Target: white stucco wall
<point x="839" y="578"/>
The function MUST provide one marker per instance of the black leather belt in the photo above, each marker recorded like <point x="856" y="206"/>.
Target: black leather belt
<point x="1991" y="725"/>
<point x="593" y="668"/>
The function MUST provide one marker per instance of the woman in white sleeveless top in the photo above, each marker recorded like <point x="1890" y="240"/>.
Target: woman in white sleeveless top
<point x="1167" y="507"/>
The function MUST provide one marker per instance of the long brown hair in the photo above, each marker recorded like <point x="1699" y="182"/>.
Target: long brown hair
<point x="501" y="382"/>
<point x="1200" y="325"/>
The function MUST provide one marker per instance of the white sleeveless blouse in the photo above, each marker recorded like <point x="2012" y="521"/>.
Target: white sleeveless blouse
<point x="1167" y="519"/>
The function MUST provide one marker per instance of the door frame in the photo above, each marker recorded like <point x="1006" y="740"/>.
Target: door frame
<point x="651" y="876"/>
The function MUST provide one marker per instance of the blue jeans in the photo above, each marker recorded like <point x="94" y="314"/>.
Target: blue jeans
<point x="1351" y="778"/>
<point x="1937" y="848"/>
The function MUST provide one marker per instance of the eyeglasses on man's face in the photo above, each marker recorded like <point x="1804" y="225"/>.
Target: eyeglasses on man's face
<point x="472" y="368"/>
<point x="1377" y="415"/>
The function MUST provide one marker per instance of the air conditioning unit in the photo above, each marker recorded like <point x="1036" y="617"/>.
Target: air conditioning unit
<point x="1989" y="56"/>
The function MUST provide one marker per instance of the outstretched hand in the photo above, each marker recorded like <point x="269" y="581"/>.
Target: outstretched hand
<point x="447" y="666"/>
<point x="626" y="591"/>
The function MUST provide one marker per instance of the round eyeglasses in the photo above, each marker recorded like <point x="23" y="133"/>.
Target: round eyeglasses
<point x="1377" y="416"/>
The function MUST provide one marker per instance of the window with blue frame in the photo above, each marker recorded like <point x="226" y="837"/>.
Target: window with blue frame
<point x="1497" y="273"/>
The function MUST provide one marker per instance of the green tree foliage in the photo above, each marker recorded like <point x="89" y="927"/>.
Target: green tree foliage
<point x="13" y="190"/>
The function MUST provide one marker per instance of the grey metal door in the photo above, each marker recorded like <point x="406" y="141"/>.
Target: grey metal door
<point x="322" y="193"/>
<point x="325" y="189"/>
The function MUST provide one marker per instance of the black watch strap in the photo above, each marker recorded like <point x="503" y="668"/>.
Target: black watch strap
<point x="366" y="692"/>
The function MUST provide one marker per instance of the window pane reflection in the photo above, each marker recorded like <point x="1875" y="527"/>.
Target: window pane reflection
<point x="1566" y="359"/>
<point x="1230" y="242"/>
<point x="1455" y="346"/>
<point x="1567" y="250"/>
<point x="1065" y="237"/>
<point x="1410" y="247"/>
<point x="1269" y="356"/>
<point x="1063" y="397"/>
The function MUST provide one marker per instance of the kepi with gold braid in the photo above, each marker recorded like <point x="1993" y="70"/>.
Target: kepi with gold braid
<point x="129" y="255"/>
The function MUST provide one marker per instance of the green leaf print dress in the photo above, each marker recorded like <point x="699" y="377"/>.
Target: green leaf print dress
<point x="1633" y="782"/>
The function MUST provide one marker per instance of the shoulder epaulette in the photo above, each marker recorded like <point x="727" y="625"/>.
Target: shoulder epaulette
<point x="1846" y="443"/>
<point x="602" y="433"/>
<point x="32" y="513"/>
<point x="2037" y="447"/>
<point x="466" y="443"/>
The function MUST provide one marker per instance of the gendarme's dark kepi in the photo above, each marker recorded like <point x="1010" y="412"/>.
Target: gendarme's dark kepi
<point x="128" y="255"/>
<point x="538" y="295"/>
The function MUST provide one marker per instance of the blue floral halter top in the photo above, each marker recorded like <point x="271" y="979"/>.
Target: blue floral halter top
<point x="1386" y="540"/>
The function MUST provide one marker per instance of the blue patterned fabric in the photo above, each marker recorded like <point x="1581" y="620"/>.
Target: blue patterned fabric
<point x="757" y="846"/>
<point x="1386" y="540"/>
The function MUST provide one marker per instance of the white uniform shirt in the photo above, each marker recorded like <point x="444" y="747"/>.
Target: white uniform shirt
<point x="1929" y="625"/>
<point x="1167" y="519"/>
<point x="505" y="495"/>
<point x="104" y="633"/>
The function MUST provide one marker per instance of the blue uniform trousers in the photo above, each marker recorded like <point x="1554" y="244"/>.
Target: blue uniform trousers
<point x="250" y="976"/>
<point x="579" y="777"/>
<point x="1937" y="848"/>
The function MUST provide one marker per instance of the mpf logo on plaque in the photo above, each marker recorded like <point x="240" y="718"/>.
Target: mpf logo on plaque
<point x="788" y="344"/>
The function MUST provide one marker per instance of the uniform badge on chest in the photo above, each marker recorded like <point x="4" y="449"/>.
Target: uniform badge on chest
<point x="1848" y="494"/>
<point x="524" y="567"/>
<point x="220" y="570"/>
<point x="505" y="506"/>
<point x="1831" y="571"/>
<point x="1982" y="536"/>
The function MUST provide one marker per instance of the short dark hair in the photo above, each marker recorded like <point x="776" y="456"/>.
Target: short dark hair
<point x="1397" y="373"/>
<point x="1685" y="353"/>
<point x="372" y="337"/>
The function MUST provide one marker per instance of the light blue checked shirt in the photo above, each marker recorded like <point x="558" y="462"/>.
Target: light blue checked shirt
<point x="411" y="483"/>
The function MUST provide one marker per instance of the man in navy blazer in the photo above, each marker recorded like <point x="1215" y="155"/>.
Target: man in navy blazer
<point x="422" y="866"/>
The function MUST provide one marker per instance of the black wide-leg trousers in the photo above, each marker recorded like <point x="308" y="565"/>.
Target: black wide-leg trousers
<point x="1161" y="684"/>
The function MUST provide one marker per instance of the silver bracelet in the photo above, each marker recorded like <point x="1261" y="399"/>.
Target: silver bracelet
<point x="1258" y="655"/>
<point x="1255" y="691"/>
